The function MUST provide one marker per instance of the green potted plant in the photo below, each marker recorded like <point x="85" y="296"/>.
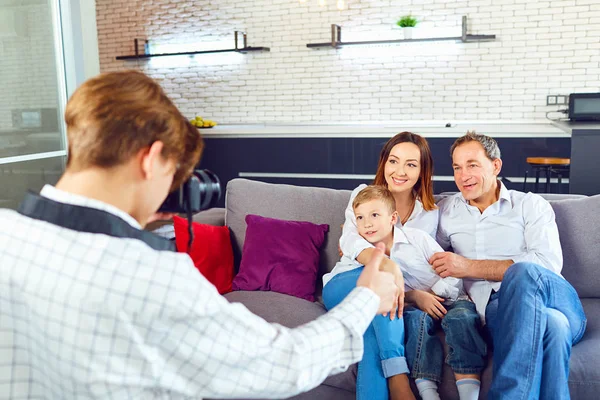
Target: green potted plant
<point x="407" y="23"/>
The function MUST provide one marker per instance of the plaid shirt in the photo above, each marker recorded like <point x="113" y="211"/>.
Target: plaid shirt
<point x="92" y="315"/>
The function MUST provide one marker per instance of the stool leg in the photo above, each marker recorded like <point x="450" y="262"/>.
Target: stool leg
<point x="547" y="180"/>
<point x="525" y="182"/>
<point x="559" y="182"/>
<point x="537" y="179"/>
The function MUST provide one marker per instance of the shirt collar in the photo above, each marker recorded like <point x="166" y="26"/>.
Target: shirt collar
<point x="61" y="196"/>
<point x="399" y="236"/>
<point x="417" y="209"/>
<point x="504" y="193"/>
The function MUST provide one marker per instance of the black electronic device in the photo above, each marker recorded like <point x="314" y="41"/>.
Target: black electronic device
<point x="200" y="192"/>
<point x="584" y="107"/>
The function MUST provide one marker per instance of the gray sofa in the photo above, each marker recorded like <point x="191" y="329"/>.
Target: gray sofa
<point x="578" y="219"/>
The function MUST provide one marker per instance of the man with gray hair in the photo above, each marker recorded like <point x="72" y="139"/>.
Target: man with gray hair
<point x="506" y="248"/>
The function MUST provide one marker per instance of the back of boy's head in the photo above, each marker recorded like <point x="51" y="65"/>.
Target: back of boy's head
<point x="112" y="116"/>
<point x="375" y="192"/>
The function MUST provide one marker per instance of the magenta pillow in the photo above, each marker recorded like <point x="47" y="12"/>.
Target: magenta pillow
<point x="280" y="256"/>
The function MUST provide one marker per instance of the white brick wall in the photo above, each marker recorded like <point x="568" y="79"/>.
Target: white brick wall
<point x="543" y="47"/>
<point x="27" y="64"/>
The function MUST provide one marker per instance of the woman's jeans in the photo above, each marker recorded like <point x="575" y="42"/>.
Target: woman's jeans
<point x="534" y="320"/>
<point x="466" y="346"/>
<point x="383" y="342"/>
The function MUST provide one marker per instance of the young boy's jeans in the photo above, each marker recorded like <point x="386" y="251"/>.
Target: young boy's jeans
<point x="424" y="351"/>
<point x="384" y="342"/>
<point x="534" y="320"/>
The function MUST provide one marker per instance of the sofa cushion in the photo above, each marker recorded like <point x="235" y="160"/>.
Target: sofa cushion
<point x="578" y="223"/>
<point x="280" y="256"/>
<point x="210" y="251"/>
<point x="316" y="205"/>
<point x="290" y="312"/>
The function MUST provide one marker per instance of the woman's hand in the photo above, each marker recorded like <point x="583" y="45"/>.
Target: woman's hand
<point x="388" y="265"/>
<point x="429" y="303"/>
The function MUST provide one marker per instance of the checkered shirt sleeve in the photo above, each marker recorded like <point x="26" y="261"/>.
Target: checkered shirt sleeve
<point x="92" y="316"/>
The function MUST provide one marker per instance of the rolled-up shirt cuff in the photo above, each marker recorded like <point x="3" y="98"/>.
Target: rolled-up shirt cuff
<point x="394" y="366"/>
<point x="445" y="290"/>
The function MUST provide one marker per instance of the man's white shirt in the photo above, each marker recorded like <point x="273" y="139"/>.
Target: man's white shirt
<point x="520" y="227"/>
<point x="91" y="315"/>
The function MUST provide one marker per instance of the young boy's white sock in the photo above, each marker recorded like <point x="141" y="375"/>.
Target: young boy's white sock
<point x="428" y="389"/>
<point x="468" y="389"/>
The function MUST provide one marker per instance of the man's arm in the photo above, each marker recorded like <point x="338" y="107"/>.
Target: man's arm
<point x="204" y="346"/>
<point x="541" y="235"/>
<point x="542" y="246"/>
<point x="451" y="264"/>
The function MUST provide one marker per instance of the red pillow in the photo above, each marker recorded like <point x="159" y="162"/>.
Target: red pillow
<point x="211" y="251"/>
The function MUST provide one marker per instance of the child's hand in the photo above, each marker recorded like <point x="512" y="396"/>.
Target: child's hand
<point x="430" y="303"/>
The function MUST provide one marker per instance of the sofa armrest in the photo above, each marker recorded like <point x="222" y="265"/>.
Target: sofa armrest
<point x="213" y="216"/>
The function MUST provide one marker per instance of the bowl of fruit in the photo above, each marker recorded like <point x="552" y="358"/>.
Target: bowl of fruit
<point x="202" y="123"/>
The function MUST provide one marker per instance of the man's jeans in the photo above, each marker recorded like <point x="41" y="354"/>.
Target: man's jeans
<point x="383" y="342"/>
<point x="424" y="350"/>
<point x="534" y="320"/>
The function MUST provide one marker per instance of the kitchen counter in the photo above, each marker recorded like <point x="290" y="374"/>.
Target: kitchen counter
<point x="427" y="129"/>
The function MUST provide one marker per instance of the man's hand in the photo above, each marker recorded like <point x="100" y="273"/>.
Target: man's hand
<point x="450" y="264"/>
<point x="388" y="265"/>
<point x="382" y="283"/>
<point x="430" y="303"/>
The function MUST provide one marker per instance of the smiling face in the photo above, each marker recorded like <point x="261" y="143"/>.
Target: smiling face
<point x="374" y="220"/>
<point x="474" y="173"/>
<point x="403" y="167"/>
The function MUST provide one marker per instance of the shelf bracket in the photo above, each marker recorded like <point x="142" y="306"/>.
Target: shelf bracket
<point x="244" y="39"/>
<point x="336" y="35"/>
<point x="464" y="29"/>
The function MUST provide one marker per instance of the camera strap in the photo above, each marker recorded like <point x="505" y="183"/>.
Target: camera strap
<point x="87" y="219"/>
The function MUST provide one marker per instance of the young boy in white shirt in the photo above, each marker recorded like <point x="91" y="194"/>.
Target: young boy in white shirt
<point x="440" y="298"/>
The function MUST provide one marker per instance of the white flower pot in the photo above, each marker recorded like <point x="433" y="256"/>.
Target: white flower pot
<point x="407" y="32"/>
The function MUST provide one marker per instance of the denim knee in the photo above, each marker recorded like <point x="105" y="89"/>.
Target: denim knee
<point x="558" y="330"/>
<point x="522" y="274"/>
<point x="339" y="287"/>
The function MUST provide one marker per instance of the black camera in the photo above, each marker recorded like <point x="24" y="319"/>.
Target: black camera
<point x="200" y="192"/>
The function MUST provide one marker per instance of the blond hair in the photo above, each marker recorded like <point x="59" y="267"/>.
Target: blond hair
<point x="112" y="116"/>
<point x="375" y="192"/>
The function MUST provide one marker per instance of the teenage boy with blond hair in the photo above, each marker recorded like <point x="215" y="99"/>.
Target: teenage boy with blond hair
<point x="92" y="306"/>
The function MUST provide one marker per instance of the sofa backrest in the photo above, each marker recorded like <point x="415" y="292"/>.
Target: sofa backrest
<point x="575" y="216"/>
<point x="287" y="202"/>
<point x="578" y="221"/>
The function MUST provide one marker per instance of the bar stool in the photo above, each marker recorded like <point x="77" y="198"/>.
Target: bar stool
<point x="549" y="165"/>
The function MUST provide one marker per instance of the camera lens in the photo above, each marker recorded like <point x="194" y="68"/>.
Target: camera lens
<point x="209" y="187"/>
<point x="200" y="192"/>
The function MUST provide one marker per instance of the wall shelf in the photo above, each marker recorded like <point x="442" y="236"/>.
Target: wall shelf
<point x="236" y="49"/>
<point x="336" y="38"/>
